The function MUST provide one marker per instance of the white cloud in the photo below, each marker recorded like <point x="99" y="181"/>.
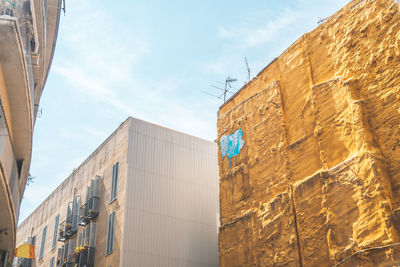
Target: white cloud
<point x="248" y="35"/>
<point x="224" y="33"/>
<point x="77" y="76"/>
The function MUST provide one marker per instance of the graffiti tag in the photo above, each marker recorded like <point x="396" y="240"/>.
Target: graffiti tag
<point x="232" y="144"/>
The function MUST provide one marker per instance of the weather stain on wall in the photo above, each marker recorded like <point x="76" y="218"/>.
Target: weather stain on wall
<point x="318" y="180"/>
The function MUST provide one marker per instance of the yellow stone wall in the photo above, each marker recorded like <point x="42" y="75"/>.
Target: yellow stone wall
<point x="318" y="177"/>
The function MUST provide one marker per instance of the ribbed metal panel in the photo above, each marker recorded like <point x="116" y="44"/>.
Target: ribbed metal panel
<point x="172" y="199"/>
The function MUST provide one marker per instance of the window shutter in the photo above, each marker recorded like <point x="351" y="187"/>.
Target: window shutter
<point x="87" y="194"/>
<point x="71" y="249"/>
<point x="96" y="193"/>
<point x="59" y="256"/>
<point x="91" y="194"/>
<point x="114" y="182"/>
<point x="97" y="186"/>
<point x="87" y="233"/>
<point x="75" y="211"/>
<point x="69" y="212"/>
<point x="86" y="210"/>
<point x="65" y="252"/>
<point x="92" y="243"/>
<point x="92" y="235"/>
<point x="110" y="233"/>
<point x="43" y="241"/>
<point x="55" y="233"/>
<point x="79" y="241"/>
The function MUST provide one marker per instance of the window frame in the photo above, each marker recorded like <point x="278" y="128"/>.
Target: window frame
<point x="41" y="251"/>
<point x="55" y="233"/>
<point x="51" y="264"/>
<point x="110" y="233"/>
<point x="114" y="182"/>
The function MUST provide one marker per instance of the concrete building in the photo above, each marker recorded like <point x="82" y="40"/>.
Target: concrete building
<point x="28" y="31"/>
<point x="147" y="196"/>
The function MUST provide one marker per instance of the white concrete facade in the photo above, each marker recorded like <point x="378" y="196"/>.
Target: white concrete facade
<point x="166" y="206"/>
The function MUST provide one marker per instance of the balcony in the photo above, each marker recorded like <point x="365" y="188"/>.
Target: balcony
<point x="17" y="40"/>
<point x="8" y="7"/>
<point x="83" y="215"/>
<point x="67" y="229"/>
<point x="69" y="226"/>
<point x="22" y="10"/>
<point x="78" y="253"/>
<point x="65" y="254"/>
<point x="81" y="256"/>
<point x="90" y="209"/>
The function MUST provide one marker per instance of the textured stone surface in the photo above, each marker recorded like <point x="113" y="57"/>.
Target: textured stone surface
<point x="317" y="181"/>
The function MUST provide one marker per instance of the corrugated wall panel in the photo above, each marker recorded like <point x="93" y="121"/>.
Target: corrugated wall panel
<point x="172" y="199"/>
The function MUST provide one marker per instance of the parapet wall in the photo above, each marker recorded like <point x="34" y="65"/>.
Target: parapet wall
<point x="317" y="177"/>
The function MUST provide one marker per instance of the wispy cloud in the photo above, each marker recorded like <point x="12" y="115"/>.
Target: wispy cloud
<point x="248" y="35"/>
<point x="224" y="33"/>
<point x="110" y="64"/>
<point x="106" y="72"/>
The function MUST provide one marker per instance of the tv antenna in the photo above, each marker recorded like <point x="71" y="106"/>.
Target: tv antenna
<point x="248" y="70"/>
<point x="226" y="89"/>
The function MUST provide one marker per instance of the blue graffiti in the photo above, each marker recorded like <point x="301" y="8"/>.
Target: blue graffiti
<point x="232" y="144"/>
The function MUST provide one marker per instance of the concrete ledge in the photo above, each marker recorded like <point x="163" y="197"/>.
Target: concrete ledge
<point x="16" y="96"/>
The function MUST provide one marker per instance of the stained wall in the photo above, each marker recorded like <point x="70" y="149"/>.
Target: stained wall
<point x="317" y="178"/>
<point x="99" y="163"/>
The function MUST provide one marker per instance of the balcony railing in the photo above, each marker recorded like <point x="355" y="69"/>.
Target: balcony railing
<point x="67" y="229"/>
<point x="83" y="215"/>
<point x="69" y="226"/>
<point x="81" y="256"/>
<point x="85" y="246"/>
<point x="65" y="254"/>
<point x="8" y="7"/>
<point x="90" y="209"/>
<point x="62" y="255"/>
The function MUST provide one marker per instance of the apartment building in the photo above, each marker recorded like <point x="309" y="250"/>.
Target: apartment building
<point x="28" y="32"/>
<point x="147" y="196"/>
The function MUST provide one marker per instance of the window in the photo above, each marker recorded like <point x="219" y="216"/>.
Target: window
<point x="92" y="234"/>
<point x="110" y="233"/>
<point x="42" y="244"/>
<point x="114" y="182"/>
<point x="51" y="262"/>
<point x="55" y="231"/>
<point x="75" y="213"/>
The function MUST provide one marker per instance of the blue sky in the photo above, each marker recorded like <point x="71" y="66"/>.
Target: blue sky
<point x="151" y="60"/>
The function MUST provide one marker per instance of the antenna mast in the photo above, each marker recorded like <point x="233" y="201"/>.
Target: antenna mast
<point x="228" y="86"/>
<point x="226" y="89"/>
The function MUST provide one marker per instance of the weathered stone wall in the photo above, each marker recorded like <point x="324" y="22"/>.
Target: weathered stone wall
<point x="318" y="177"/>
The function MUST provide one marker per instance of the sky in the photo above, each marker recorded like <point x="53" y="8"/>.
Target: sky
<point x="152" y="60"/>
